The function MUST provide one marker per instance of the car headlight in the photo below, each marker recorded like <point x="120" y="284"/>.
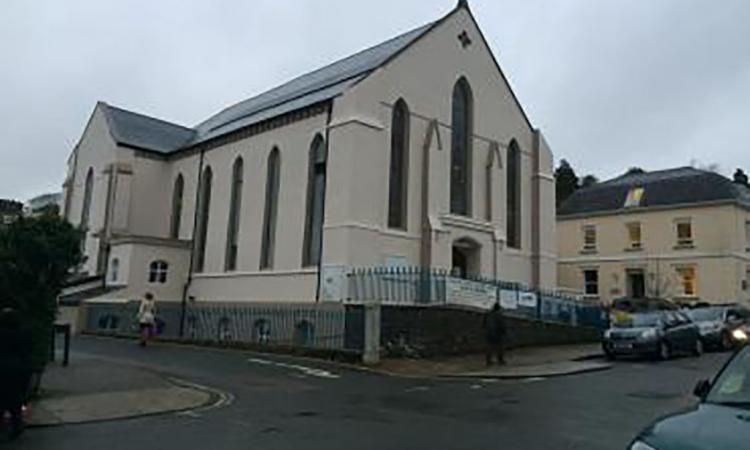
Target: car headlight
<point x="640" y="445"/>
<point x="648" y="334"/>
<point x="739" y="334"/>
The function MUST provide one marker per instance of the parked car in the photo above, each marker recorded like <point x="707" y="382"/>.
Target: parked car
<point x="720" y="421"/>
<point x="656" y="334"/>
<point x="723" y="327"/>
<point x="642" y="305"/>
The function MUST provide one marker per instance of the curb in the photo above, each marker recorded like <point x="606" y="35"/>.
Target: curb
<point x="520" y="376"/>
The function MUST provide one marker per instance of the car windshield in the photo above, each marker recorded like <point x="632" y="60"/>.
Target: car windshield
<point x="706" y="314"/>
<point x="733" y="385"/>
<point x="637" y="320"/>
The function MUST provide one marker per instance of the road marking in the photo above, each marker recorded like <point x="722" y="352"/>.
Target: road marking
<point x="417" y="389"/>
<point x="476" y="386"/>
<point x="532" y="379"/>
<point x="311" y="371"/>
<point x="222" y="398"/>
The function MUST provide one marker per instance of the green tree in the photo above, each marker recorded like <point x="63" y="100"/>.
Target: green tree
<point x="566" y="182"/>
<point x="588" y="181"/>
<point x="36" y="255"/>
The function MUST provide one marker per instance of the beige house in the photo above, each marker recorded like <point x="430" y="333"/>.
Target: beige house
<point x="681" y="234"/>
<point x="413" y="152"/>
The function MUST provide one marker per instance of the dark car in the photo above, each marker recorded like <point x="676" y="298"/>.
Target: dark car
<point x="720" y="421"/>
<point x="655" y="334"/>
<point x="721" y="327"/>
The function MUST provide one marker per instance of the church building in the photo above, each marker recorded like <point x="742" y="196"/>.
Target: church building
<point x="414" y="152"/>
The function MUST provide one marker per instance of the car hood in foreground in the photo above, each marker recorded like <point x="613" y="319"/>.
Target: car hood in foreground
<point x="707" y="427"/>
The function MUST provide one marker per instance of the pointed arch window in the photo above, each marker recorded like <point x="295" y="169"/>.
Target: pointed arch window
<point x="314" y="217"/>
<point x="177" y="193"/>
<point x="88" y="191"/>
<point x="462" y="130"/>
<point x="235" y="209"/>
<point x="398" y="180"/>
<point x="268" y="243"/>
<point x="204" y="208"/>
<point x="513" y="201"/>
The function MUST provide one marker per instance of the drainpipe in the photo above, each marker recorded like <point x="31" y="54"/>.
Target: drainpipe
<point x="329" y="113"/>
<point x="183" y="303"/>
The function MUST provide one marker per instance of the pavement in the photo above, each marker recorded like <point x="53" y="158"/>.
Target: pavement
<point x="520" y="363"/>
<point x="285" y="403"/>
<point x="96" y="389"/>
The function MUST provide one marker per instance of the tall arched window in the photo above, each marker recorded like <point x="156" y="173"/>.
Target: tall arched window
<point x="114" y="270"/>
<point x="461" y="148"/>
<point x="88" y="191"/>
<point x="271" y="207"/>
<point x="316" y="191"/>
<point x="398" y="179"/>
<point x="513" y="202"/>
<point x="179" y="188"/>
<point x="204" y="208"/>
<point x="235" y="208"/>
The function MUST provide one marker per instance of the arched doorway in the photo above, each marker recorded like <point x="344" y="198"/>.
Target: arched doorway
<point x="465" y="258"/>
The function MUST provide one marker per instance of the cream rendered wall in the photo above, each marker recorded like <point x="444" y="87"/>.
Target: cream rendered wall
<point x="717" y="254"/>
<point x="287" y="280"/>
<point x="424" y="76"/>
<point x="95" y="150"/>
<point x="151" y="196"/>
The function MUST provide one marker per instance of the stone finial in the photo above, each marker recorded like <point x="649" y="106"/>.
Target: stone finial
<point x="463" y="4"/>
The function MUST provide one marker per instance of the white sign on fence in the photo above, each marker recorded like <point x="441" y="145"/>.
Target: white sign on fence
<point x="508" y="299"/>
<point x="527" y="299"/>
<point x="469" y="293"/>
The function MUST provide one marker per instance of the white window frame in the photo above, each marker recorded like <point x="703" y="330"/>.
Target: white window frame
<point x="632" y="244"/>
<point x="684" y="242"/>
<point x="158" y="271"/>
<point x="587" y="284"/>
<point x="681" y="270"/>
<point x="589" y="247"/>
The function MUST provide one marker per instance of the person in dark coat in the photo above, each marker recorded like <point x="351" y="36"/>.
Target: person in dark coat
<point x="494" y="329"/>
<point x="15" y="367"/>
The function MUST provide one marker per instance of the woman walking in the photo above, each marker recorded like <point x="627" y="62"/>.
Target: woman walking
<point x="147" y="318"/>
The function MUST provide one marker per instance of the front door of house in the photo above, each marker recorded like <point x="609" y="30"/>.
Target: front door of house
<point x="636" y="284"/>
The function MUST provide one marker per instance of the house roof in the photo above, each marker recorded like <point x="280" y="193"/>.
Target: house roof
<point x="661" y="188"/>
<point x="144" y="132"/>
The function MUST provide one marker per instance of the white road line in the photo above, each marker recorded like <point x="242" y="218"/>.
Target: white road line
<point x="311" y="371"/>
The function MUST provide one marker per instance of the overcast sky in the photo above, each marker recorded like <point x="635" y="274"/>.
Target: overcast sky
<point x="612" y="83"/>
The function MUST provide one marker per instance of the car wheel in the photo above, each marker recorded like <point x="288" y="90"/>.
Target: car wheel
<point x="664" y="352"/>
<point x="698" y="349"/>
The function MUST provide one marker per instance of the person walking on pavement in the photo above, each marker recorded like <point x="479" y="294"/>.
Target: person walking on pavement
<point x="15" y="367"/>
<point x="494" y="329"/>
<point x="146" y="318"/>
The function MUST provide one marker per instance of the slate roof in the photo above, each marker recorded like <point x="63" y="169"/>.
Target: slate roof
<point x="144" y="132"/>
<point x="662" y="188"/>
<point x="148" y="133"/>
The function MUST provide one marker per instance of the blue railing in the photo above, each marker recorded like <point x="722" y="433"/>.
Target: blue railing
<point x="417" y="286"/>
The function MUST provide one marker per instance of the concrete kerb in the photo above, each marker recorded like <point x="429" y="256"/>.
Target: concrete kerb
<point x="540" y="371"/>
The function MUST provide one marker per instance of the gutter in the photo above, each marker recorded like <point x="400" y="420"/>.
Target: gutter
<point x="186" y="287"/>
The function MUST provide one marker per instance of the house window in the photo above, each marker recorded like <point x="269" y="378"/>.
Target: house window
<point x="398" y="179"/>
<point x="513" y="200"/>
<point x="461" y="126"/>
<point x="270" y="211"/>
<point x="688" y="281"/>
<point x="591" y="282"/>
<point x="316" y="186"/>
<point x="684" y="232"/>
<point x="747" y="279"/>
<point x="634" y="198"/>
<point x="589" y="238"/>
<point x="88" y="192"/>
<point x="634" y="235"/>
<point x="204" y="208"/>
<point x="179" y="188"/>
<point x="114" y="270"/>
<point x="157" y="272"/>
<point x="747" y="236"/>
<point x="235" y="209"/>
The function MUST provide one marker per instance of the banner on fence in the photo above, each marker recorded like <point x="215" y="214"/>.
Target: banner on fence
<point x="508" y="299"/>
<point x="470" y="293"/>
<point x="527" y="299"/>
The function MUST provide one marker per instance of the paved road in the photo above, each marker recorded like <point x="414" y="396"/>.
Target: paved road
<point x="281" y="404"/>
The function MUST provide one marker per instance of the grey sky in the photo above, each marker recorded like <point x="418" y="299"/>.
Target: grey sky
<point x="612" y="83"/>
